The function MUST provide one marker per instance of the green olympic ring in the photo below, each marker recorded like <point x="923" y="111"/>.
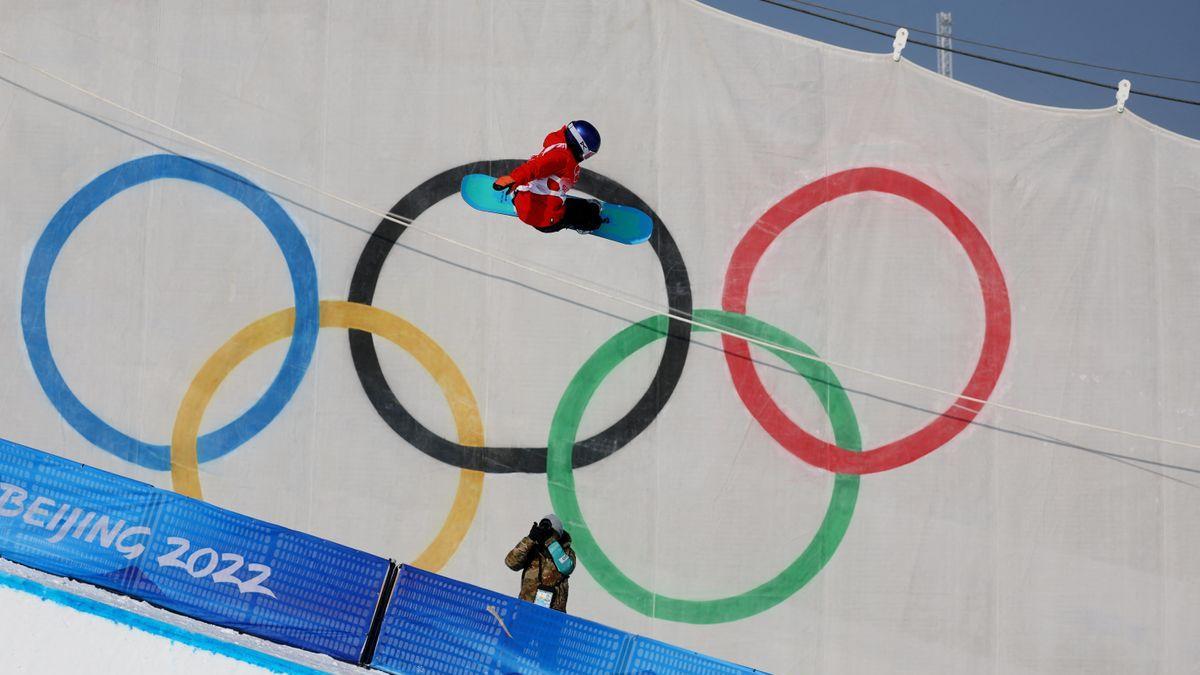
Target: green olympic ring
<point x="561" y="478"/>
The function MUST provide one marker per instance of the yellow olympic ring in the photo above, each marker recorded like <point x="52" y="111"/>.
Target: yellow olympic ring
<point x="185" y="467"/>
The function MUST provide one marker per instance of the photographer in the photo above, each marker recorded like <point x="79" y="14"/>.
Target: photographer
<point x="545" y="560"/>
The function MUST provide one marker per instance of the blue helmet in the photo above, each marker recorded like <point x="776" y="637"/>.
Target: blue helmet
<point x="583" y="136"/>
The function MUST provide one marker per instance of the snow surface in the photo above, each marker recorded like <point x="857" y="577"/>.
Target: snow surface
<point x="54" y="625"/>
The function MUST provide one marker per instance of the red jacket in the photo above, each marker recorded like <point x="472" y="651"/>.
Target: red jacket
<point x="544" y="180"/>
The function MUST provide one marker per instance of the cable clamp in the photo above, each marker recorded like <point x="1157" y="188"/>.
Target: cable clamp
<point x="1122" y="95"/>
<point x="899" y="42"/>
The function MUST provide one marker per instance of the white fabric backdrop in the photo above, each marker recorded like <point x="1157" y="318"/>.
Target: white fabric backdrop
<point x="1015" y="547"/>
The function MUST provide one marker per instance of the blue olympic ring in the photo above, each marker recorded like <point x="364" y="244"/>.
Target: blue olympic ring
<point x="295" y="251"/>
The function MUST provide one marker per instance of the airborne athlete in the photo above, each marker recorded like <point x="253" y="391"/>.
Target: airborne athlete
<point x="542" y="183"/>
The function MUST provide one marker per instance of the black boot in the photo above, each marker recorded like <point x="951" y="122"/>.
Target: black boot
<point x="582" y="215"/>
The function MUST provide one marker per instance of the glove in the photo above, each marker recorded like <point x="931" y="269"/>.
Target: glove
<point x="536" y="533"/>
<point x="505" y="183"/>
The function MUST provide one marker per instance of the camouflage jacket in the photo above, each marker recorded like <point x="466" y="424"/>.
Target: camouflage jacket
<point x="537" y="570"/>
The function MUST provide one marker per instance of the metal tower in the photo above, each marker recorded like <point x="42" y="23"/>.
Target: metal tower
<point x="945" y="67"/>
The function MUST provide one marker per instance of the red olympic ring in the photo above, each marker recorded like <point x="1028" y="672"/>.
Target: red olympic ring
<point x="992" y="355"/>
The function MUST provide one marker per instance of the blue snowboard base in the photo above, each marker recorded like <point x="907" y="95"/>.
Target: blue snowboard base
<point x="623" y="224"/>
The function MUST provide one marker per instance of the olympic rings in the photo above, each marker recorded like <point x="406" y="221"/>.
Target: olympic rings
<point x="185" y="468"/>
<point x="561" y="479"/>
<point x="37" y="277"/>
<point x="513" y="459"/>
<point x="991" y="358"/>
<point x="562" y="454"/>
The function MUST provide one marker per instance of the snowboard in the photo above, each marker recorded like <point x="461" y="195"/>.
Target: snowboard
<point x="623" y="224"/>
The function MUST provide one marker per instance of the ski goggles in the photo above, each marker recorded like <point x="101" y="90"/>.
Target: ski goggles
<point x="587" y="152"/>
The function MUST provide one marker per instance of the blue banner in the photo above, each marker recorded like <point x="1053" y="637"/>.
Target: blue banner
<point x="438" y="625"/>
<point x="185" y="555"/>
<point x="651" y="656"/>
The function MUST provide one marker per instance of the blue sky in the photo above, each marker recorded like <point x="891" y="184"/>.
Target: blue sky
<point x="1154" y="36"/>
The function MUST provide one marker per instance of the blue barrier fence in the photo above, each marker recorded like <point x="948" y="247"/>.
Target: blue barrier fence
<point x="439" y="625"/>
<point x="185" y="555"/>
<point x="231" y="570"/>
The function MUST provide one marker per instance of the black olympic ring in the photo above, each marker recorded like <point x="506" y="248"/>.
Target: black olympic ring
<point x="514" y="459"/>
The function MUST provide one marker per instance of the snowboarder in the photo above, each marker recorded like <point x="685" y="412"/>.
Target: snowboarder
<point x="542" y="183"/>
